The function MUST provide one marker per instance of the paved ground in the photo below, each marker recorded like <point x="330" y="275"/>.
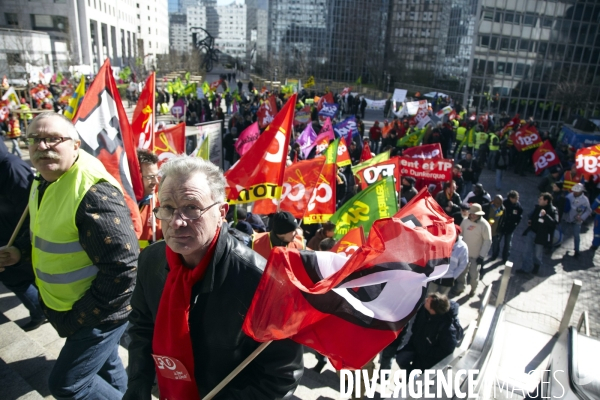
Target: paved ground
<point x="536" y="303"/>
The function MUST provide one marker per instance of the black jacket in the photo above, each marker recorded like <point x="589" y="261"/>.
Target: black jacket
<point x="433" y="337"/>
<point x="543" y="226"/>
<point x="443" y="201"/>
<point x="512" y="217"/>
<point x="220" y="302"/>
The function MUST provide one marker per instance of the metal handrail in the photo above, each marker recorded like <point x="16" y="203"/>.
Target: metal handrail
<point x="584" y="320"/>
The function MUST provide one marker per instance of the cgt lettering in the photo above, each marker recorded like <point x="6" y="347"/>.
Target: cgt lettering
<point x="544" y="160"/>
<point x="321" y="194"/>
<point x="528" y="140"/>
<point x="589" y="164"/>
<point x="372" y="174"/>
<point x="259" y="192"/>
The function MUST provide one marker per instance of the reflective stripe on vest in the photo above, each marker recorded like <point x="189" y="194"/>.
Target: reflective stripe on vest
<point x="68" y="277"/>
<point x="64" y="272"/>
<point x="494" y="142"/>
<point x="569" y="181"/>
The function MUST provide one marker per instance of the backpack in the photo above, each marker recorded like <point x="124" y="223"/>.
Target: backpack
<point x="460" y="332"/>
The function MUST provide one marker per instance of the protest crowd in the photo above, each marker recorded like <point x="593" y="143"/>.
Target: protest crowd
<point x="170" y="254"/>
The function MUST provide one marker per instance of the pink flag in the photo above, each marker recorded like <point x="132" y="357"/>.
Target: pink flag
<point x="307" y="140"/>
<point x="247" y="139"/>
<point x="327" y="127"/>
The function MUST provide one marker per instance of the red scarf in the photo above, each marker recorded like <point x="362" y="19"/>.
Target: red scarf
<point x="172" y="331"/>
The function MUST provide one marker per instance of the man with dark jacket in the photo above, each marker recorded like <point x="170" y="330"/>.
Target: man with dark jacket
<point x="512" y="217"/>
<point x="434" y="335"/>
<point x="327" y="231"/>
<point x="470" y="173"/>
<point x="408" y="190"/>
<point x="478" y="196"/>
<point x="495" y="212"/>
<point x="542" y="223"/>
<point x="448" y="199"/>
<point x="193" y="291"/>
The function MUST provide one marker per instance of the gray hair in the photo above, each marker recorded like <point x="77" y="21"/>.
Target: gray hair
<point x="71" y="131"/>
<point x="182" y="166"/>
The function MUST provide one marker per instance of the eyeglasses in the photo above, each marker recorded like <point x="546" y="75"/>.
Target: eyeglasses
<point x="165" y="213"/>
<point x="150" y="177"/>
<point x="48" y="141"/>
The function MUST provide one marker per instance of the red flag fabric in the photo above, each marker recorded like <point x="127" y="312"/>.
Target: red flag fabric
<point x="526" y="138"/>
<point x="512" y="124"/>
<point x="366" y="153"/>
<point x="343" y="155"/>
<point x="587" y="160"/>
<point x="352" y="241"/>
<point x="327" y="98"/>
<point x="346" y="91"/>
<point x="142" y="123"/>
<point x="105" y="133"/>
<point x="322" y="141"/>
<point x="439" y="170"/>
<point x="321" y="205"/>
<point x="330" y="303"/>
<point x="213" y="86"/>
<point x="169" y="142"/>
<point x="425" y="151"/>
<point x="374" y="173"/>
<point x="544" y="157"/>
<point x="299" y="182"/>
<point x="247" y="138"/>
<point x="259" y="173"/>
<point x="266" y="112"/>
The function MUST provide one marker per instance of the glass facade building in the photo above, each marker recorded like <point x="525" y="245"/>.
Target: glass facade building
<point x="330" y="39"/>
<point x="534" y="58"/>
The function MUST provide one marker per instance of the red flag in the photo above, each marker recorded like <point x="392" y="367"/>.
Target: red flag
<point x="321" y="205"/>
<point x="322" y="141"/>
<point x="544" y="157"/>
<point x="376" y="172"/>
<point x="299" y="182"/>
<point x="352" y="241"/>
<point x="425" y="151"/>
<point x="169" y="142"/>
<point x="346" y="91"/>
<point x="259" y="173"/>
<point x="343" y="155"/>
<point x="527" y="138"/>
<point x="436" y="170"/>
<point x="266" y="111"/>
<point x="587" y="160"/>
<point x="105" y="133"/>
<point x="512" y="124"/>
<point x="213" y="86"/>
<point x="327" y="98"/>
<point x="142" y="123"/>
<point x="366" y="153"/>
<point x="331" y="303"/>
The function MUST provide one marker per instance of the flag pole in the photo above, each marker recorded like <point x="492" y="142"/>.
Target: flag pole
<point x="18" y="228"/>
<point x="153" y="121"/>
<point x="236" y="371"/>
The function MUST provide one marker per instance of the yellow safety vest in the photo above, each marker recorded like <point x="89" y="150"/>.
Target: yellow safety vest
<point x="28" y="116"/>
<point x="62" y="268"/>
<point x="460" y="133"/>
<point x="494" y="142"/>
<point x="481" y="138"/>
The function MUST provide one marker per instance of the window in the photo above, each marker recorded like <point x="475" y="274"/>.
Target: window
<point x="512" y="18"/>
<point x="60" y="1"/>
<point x="13" y="58"/>
<point x="494" y="43"/>
<point x="149" y="31"/>
<point x="525" y="45"/>
<point x="542" y="48"/>
<point x="508" y="69"/>
<point x="488" y="15"/>
<point x="484" y="41"/>
<point x="498" y="17"/>
<point x="529" y="20"/>
<point x="12" y="19"/>
<point x="519" y="69"/>
<point x="547" y="22"/>
<point x="149" y="44"/>
<point x="500" y="67"/>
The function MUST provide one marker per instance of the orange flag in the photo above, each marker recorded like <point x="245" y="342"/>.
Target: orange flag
<point x="343" y="155"/>
<point x="111" y="143"/>
<point x="299" y="182"/>
<point x="142" y="124"/>
<point x="259" y="173"/>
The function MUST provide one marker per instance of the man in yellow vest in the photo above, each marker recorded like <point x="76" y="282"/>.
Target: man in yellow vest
<point x="571" y="178"/>
<point x="84" y="254"/>
<point x="494" y="147"/>
<point x="461" y="131"/>
<point x="284" y="234"/>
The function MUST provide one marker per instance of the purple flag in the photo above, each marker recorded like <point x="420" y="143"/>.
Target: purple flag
<point x="329" y="110"/>
<point x="348" y="129"/>
<point x="247" y="139"/>
<point x="307" y="139"/>
<point x="178" y="109"/>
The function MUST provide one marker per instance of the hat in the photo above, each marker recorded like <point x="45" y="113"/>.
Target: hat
<point x="476" y="209"/>
<point x="465" y="206"/>
<point x="284" y="222"/>
<point x="256" y="223"/>
<point x="577" y="188"/>
<point x="245" y="227"/>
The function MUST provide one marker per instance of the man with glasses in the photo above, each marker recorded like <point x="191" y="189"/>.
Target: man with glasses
<point x="193" y="291"/>
<point x="84" y="254"/>
<point x="151" y="229"/>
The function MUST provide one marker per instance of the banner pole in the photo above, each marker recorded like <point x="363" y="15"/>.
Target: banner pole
<point x="18" y="228"/>
<point x="236" y="371"/>
<point x="152" y="144"/>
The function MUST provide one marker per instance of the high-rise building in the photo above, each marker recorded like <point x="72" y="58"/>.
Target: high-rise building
<point x="178" y="32"/>
<point x="334" y="39"/>
<point x="174" y="6"/>
<point x="153" y="30"/>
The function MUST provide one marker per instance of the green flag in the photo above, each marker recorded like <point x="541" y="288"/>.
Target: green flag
<point x="413" y="139"/>
<point x="331" y="152"/>
<point x="203" y="151"/>
<point x="375" y="202"/>
<point x="187" y="76"/>
<point x="377" y="159"/>
<point x="359" y="80"/>
<point x="205" y="87"/>
<point x="190" y="88"/>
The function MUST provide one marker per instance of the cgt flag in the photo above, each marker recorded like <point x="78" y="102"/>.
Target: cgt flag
<point x="544" y="157"/>
<point x="105" y="133"/>
<point x="322" y="203"/>
<point x="142" y="123"/>
<point x="299" y="182"/>
<point x="349" y="309"/>
<point x="259" y="174"/>
<point x="266" y="112"/>
<point x="169" y="142"/>
<point x="352" y="241"/>
<point x="587" y="160"/>
<point x="377" y="159"/>
<point x="375" y="202"/>
<point x="343" y="155"/>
